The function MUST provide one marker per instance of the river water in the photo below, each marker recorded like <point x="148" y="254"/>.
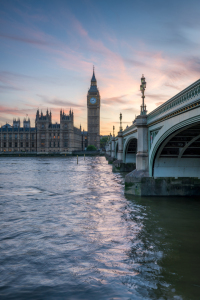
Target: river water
<point x="67" y="231"/>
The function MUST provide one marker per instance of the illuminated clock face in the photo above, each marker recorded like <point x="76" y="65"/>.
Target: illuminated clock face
<point x="93" y="100"/>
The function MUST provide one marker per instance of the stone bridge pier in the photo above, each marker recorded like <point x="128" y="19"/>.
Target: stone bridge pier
<point x="142" y="157"/>
<point x="120" y="147"/>
<point x="110" y="150"/>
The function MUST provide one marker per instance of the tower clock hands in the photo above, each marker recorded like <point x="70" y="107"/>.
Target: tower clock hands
<point x="93" y="100"/>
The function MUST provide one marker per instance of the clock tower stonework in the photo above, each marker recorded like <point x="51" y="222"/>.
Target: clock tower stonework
<point x="93" y="113"/>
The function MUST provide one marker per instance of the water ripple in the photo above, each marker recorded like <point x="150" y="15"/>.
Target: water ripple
<point x="68" y="232"/>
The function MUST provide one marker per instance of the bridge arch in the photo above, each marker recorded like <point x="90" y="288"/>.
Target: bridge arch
<point x="177" y="152"/>
<point x="130" y="150"/>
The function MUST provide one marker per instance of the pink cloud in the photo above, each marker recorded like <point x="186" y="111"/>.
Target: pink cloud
<point x="25" y="40"/>
<point x="116" y="75"/>
<point x="8" y="113"/>
<point x="15" y="111"/>
<point x="159" y="103"/>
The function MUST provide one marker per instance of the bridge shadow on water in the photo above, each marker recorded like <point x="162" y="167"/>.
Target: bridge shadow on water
<point x="166" y="250"/>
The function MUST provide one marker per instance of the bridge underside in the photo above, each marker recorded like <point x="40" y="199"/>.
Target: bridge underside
<point x="116" y="150"/>
<point x="131" y="150"/>
<point x="179" y="154"/>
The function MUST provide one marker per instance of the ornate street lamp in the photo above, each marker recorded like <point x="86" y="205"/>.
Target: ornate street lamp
<point x="120" y="118"/>
<point x="142" y="89"/>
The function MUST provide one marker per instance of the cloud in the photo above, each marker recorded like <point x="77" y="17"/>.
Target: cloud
<point x="157" y="96"/>
<point x="117" y="122"/>
<point x="120" y="63"/>
<point x="112" y="100"/>
<point x="15" y="79"/>
<point x="59" y="102"/>
<point x="194" y="64"/>
<point x="172" y="86"/>
<point x="77" y="25"/>
<point x="26" y="40"/>
<point x="15" y="110"/>
<point x="8" y="82"/>
<point x="8" y="77"/>
<point x="131" y="109"/>
<point x="159" y="103"/>
<point x="7" y="113"/>
<point x="176" y="73"/>
<point x="64" y="103"/>
<point x="133" y="62"/>
<point x="10" y="88"/>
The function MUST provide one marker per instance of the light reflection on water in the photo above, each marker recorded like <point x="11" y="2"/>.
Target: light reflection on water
<point x="68" y="232"/>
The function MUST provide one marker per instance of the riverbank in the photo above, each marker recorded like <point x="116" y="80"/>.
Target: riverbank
<point x="56" y="154"/>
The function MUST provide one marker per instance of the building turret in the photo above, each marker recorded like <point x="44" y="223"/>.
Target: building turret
<point x="26" y="123"/>
<point x="16" y="123"/>
<point x="37" y="114"/>
<point x="42" y="120"/>
<point x="66" y="121"/>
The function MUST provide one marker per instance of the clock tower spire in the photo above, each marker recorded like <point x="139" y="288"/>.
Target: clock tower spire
<point x="93" y="80"/>
<point x="93" y="113"/>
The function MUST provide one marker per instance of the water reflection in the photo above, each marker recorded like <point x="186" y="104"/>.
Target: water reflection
<point x="68" y="232"/>
<point x="168" y="246"/>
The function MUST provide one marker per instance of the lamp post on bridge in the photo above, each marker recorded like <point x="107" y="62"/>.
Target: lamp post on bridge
<point x="110" y="144"/>
<point x="120" y="142"/>
<point x="142" y="156"/>
<point x="120" y="118"/>
<point x="142" y="89"/>
<point x="113" y="143"/>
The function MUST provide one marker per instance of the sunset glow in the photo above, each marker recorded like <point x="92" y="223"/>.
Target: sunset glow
<point x="48" y="49"/>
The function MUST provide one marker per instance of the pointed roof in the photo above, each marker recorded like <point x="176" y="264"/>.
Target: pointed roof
<point x="93" y="76"/>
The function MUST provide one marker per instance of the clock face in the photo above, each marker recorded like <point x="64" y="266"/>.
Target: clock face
<point x="93" y="100"/>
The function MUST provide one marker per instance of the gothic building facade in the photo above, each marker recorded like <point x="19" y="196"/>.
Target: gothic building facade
<point x="47" y="137"/>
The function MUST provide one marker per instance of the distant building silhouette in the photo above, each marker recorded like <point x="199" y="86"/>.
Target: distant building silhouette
<point x="45" y="137"/>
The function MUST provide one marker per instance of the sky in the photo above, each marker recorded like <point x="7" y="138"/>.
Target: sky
<point x="48" y="49"/>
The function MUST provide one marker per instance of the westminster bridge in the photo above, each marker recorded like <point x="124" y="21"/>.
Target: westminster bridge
<point x="163" y="147"/>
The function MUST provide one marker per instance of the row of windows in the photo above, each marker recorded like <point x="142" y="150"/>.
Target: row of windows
<point x="42" y="126"/>
<point x="16" y="144"/>
<point x="53" y="135"/>
<point x="16" y="136"/>
<point x="21" y="136"/>
<point x="53" y="144"/>
<point x="21" y="144"/>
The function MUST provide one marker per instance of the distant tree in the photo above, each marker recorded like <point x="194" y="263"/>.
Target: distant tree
<point x="91" y="148"/>
<point x="103" y="141"/>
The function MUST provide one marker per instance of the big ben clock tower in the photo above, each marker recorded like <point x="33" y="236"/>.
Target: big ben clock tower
<point x="93" y="113"/>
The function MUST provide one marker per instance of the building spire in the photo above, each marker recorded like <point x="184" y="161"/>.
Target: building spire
<point x="93" y="76"/>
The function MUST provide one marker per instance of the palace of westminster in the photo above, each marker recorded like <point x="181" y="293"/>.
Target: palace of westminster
<point x="47" y="137"/>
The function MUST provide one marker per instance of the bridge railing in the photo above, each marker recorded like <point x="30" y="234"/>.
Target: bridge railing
<point x="191" y="92"/>
<point x="126" y="130"/>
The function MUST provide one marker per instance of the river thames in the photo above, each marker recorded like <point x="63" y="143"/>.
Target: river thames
<point x="69" y="232"/>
